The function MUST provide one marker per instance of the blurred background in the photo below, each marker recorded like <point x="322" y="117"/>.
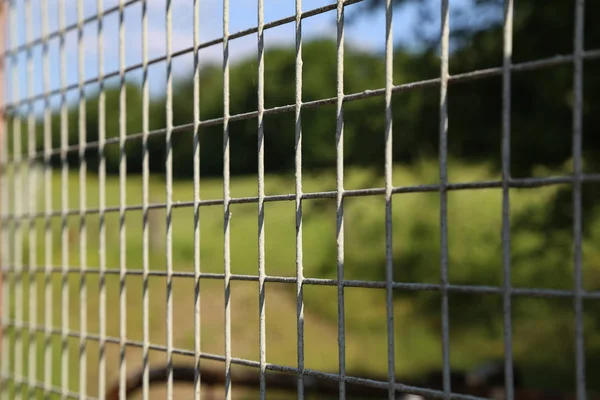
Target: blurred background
<point x="541" y="218"/>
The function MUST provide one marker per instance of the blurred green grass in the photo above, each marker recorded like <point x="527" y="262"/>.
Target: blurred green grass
<point x="474" y="223"/>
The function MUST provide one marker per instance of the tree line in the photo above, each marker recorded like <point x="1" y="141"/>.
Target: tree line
<point x="541" y="127"/>
<point x="541" y="117"/>
<point x="541" y="102"/>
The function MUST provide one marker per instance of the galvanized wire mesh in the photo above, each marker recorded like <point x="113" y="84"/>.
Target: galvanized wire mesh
<point x="17" y="221"/>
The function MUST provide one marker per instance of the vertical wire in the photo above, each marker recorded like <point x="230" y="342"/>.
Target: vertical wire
<point x="577" y="183"/>
<point x="82" y="207"/>
<point x="445" y="34"/>
<point x="261" y="199"/>
<point x="506" y="176"/>
<point x="298" y="164"/>
<point x="18" y="207"/>
<point x="64" y="143"/>
<point x="122" y="205"/>
<point x="48" y="234"/>
<point x="145" y="195"/>
<point x="226" y="200"/>
<point x="33" y="270"/>
<point x="101" y="207"/>
<point x="196" y="144"/>
<point x="340" y="197"/>
<point x="4" y="212"/>
<point x="11" y="292"/>
<point x="169" y="204"/>
<point x="389" y="263"/>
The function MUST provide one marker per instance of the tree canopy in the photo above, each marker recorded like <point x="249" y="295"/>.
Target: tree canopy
<point x="541" y="124"/>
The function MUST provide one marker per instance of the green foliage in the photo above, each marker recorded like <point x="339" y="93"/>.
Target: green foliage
<point x="475" y="120"/>
<point x="318" y="124"/>
<point x="541" y="145"/>
<point x="541" y="258"/>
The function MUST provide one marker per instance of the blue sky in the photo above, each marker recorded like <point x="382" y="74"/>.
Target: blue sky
<point x="368" y="32"/>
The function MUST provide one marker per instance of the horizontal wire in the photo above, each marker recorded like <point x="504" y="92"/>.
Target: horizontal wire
<point x="38" y="386"/>
<point x="246" y="32"/>
<point x="479" y="289"/>
<point x="61" y="32"/>
<point x="516" y="183"/>
<point x="255" y="364"/>
<point x="453" y="79"/>
<point x="464" y="77"/>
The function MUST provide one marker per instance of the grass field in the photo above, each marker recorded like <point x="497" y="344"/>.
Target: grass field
<point x="474" y="223"/>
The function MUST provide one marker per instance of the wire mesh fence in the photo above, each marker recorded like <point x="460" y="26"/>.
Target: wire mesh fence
<point x="68" y="311"/>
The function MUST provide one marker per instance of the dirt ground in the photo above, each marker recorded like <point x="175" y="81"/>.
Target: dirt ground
<point x="244" y="334"/>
